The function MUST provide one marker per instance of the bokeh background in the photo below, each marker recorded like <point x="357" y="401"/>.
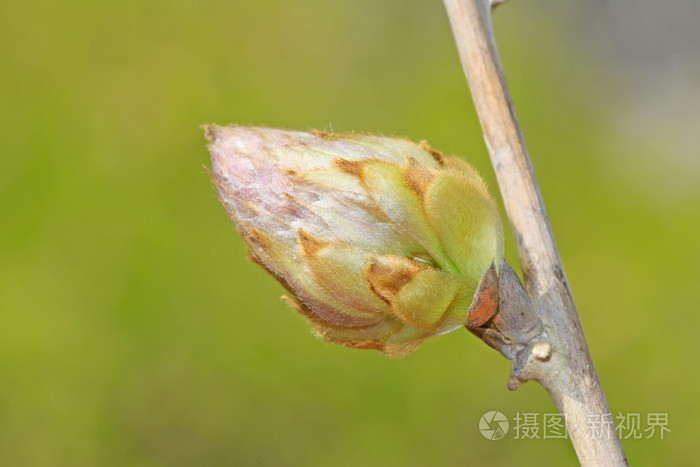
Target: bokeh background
<point x="132" y="330"/>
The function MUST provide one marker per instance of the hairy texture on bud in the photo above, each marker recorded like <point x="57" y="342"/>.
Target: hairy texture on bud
<point x="380" y="242"/>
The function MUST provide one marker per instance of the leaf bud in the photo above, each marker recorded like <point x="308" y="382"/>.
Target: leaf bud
<point x="380" y="242"/>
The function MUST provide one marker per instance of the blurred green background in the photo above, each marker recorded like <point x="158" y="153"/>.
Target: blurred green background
<point x="134" y="332"/>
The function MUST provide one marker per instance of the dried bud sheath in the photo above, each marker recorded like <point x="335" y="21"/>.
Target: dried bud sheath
<point x="380" y="242"/>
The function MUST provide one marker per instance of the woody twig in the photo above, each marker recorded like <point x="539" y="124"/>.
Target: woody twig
<point x="561" y="361"/>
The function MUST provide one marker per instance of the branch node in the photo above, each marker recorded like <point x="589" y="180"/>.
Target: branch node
<point x="514" y="329"/>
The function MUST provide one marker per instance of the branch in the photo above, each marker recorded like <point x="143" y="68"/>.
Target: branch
<point x="564" y="365"/>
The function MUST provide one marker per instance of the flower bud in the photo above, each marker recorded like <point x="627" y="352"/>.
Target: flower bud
<point x="380" y="242"/>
